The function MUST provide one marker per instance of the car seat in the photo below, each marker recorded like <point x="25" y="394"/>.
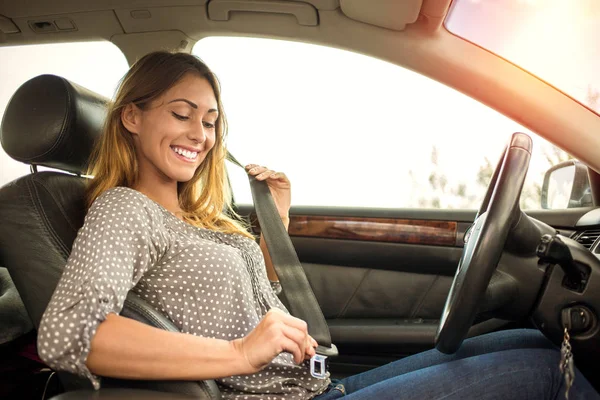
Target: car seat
<point x="54" y="123"/>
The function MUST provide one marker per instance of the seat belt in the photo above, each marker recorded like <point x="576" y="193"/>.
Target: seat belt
<point x="296" y="289"/>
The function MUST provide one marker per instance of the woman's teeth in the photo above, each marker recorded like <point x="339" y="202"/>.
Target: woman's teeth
<point x="190" y="155"/>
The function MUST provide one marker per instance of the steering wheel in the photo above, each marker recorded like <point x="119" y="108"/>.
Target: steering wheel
<point x="484" y="243"/>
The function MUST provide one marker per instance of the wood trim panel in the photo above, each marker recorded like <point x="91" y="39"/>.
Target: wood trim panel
<point x="412" y="231"/>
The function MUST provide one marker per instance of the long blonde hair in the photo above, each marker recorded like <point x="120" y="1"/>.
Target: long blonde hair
<point x="206" y="198"/>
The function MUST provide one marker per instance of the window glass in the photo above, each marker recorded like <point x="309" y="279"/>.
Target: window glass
<point x="97" y="66"/>
<point x="354" y="131"/>
<point x="556" y="40"/>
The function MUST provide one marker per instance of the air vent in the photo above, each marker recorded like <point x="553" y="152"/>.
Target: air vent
<point x="587" y="238"/>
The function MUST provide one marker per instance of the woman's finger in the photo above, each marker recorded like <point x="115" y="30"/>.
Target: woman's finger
<point x="256" y="169"/>
<point x="295" y="322"/>
<point x="310" y="350"/>
<point x="292" y="347"/>
<point x="264" y="175"/>
<point x="296" y="335"/>
<point x="279" y="175"/>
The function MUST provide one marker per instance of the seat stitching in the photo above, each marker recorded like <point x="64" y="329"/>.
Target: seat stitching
<point x="345" y="308"/>
<point x="60" y="207"/>
<point x="44" y="219"/>
<point x="423" y="297"/>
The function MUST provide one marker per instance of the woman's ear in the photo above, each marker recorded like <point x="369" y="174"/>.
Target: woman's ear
<point x="131" y="118"/>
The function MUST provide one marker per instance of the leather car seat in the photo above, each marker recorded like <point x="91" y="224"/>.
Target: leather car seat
<point x="52" y="122"/>
<point x="15" y="321"/>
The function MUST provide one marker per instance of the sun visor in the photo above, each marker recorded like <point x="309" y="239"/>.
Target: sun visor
<point x="390" y="14"/>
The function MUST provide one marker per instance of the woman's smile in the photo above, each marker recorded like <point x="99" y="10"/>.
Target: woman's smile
<point x="184" y="154"/>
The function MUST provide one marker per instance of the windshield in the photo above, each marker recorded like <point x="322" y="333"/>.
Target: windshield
<point x="556" y="40"/>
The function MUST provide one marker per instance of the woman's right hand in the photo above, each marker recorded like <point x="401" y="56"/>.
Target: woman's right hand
<point x="276" y="332"/>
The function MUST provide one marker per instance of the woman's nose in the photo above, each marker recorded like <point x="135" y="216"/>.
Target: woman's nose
<point x="198" y="134"/>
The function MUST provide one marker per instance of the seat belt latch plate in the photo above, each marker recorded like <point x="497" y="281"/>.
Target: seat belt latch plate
<point x="318" y="366"/>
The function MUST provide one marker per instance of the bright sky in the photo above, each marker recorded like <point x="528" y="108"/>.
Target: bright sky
<point x="348" y="130"/>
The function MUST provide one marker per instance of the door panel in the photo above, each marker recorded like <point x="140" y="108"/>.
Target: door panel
<point x="560" y="218"/>
<point x="382" y="276"/>
<point x="422" y="259"/>
<point x="350" y="292"/>
<point x="375" y="229"/>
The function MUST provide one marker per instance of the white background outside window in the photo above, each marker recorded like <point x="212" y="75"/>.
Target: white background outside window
<point x="351" y="130"/>
<point x="97" y="66"/>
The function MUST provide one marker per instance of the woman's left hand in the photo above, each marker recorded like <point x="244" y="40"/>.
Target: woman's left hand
<point x="279" y="184"/>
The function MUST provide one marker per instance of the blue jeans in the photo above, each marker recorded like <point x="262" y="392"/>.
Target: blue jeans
<point x="516" y="364"/>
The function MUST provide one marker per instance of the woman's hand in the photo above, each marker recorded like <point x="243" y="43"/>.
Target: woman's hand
<point x="276" y="332"/>
<point x="279" y="184"/>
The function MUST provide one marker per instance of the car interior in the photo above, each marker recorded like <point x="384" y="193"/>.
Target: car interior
<point x="390" y="282"/>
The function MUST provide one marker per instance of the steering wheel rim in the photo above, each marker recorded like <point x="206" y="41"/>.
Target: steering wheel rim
<point x="487" y="237"/>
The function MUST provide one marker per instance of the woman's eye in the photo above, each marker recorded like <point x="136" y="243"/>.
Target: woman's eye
<point x="208" y="125"/>
<point x="180" y="117"/>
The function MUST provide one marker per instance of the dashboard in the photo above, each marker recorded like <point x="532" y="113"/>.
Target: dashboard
<point x="588" y="232"/>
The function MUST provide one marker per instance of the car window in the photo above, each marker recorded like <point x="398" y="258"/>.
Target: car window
<point x="97" y="66"/>
<point x="355" y="131"/>
<point x="525" y="32"/>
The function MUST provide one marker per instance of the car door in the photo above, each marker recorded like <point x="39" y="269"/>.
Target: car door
<point x="387" y="168"/>
<point x="382" y="277"/>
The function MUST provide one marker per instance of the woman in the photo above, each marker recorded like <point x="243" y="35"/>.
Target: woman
<point x="157" y="224"/>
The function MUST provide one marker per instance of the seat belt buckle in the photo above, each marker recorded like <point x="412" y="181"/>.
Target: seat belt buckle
<point x="319" y="366"/>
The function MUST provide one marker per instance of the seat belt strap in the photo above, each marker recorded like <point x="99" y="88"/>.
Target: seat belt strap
<point x="296" y="288"/>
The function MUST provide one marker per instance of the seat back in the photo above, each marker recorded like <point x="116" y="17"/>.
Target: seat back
<point x="52" y="122"/>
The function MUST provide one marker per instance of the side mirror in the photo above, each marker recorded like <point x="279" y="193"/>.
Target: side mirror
<point x="566" y="185"/>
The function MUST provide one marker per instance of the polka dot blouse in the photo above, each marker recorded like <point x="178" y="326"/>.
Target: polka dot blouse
<point x="208" y="283"/>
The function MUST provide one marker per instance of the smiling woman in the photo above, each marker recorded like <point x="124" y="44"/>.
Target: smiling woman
<point x="166" y="130"/>
<point x="389" y="127"/>
<point x="186" y="153"/>
<point x="208" y="275"/>
<point x="154" y="125"/>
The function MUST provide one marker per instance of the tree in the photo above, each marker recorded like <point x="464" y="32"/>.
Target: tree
<point x="443" y="193"/>
<point x="485" y="173"/>
<point x="455" y="193"/>
<point x="531" y="194"/>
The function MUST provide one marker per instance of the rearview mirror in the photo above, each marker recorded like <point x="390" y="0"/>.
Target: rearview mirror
<point x="566" y="185"/>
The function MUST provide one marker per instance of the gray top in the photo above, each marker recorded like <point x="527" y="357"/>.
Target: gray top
<point x="208" y="283"/>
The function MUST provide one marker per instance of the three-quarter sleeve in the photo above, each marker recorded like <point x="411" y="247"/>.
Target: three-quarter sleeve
<point x="120" y="240"/>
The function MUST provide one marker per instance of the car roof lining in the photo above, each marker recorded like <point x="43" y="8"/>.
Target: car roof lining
<point x="424" y="46"/>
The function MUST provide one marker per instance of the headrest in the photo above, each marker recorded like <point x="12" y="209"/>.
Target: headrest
<point x="52" y="122"/>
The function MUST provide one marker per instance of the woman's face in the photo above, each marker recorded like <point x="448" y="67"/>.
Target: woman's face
<point x="176" y="131"/>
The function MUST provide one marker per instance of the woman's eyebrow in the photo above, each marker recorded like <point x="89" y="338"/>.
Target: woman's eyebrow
<point x="192" y="104"/>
